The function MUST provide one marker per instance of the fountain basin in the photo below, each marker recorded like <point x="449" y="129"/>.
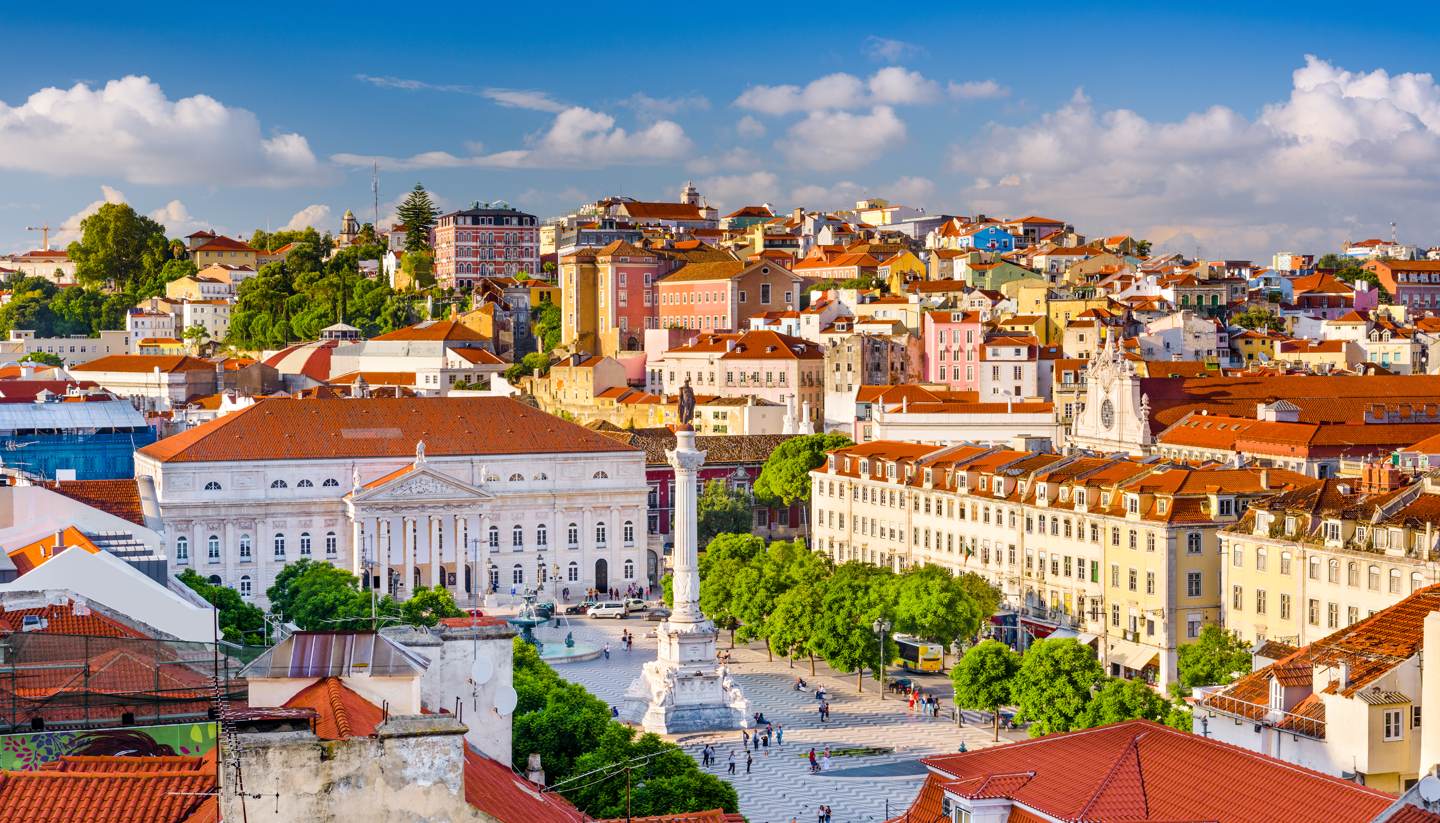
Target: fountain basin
<point x="556" y="652"/>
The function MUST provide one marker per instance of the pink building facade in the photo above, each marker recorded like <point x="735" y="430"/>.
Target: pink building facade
<point x="479" y="242"/>
<point x="952" y="341"/>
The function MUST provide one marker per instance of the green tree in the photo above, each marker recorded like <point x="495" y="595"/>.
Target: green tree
<point x="721" y="564"/>
<point x="855" y="596"/>
<point x="43" y="358"/>
<point x="427" y="605"/>
<point x="983" y="678"/>
<point x="1216" y="657"/>
<point x="934" y="605"/>
<point x="240" y="622"/>
<point x="982" y="593"/>
<point x="764" y="581"/>
<point x="722" y="510"/>
<point x="118" y="247"/>
<point x="546" y="324"/>
<point x="1054" y="685"/>
<point x="418" y="213"/>
<point x="1179" y="716"/>
<point x="785" y="477"/>
<point x="1118" y="700"/>
<point x="667" y="589"/>
<point x="419" y="267"/>
<point x="794" y="628"/>
<point x="196" y="336"/>
<point x="31" y="306"/>
<point x="1258" y="318"/>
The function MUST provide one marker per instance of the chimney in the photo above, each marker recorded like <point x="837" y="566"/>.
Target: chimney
<point x="1264" y="478"/>
<point x="1430" y="692"/>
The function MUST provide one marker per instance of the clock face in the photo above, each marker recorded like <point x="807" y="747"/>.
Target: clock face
<point x="1107" y="414"/>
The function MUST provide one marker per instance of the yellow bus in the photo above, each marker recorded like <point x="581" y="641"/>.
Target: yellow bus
<point x="917" y="655"/>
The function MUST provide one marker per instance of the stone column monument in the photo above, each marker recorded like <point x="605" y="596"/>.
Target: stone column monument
<point x="684" y="690"/>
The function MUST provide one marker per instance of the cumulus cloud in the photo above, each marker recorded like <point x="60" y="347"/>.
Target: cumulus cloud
<point x="889" y="50"/>
<point x="1343" y="144"/>
<point x="832" y="140"/>
<point x="890" y="86"/>
<point x="177" y="219"/>
<point x="69" y="230"/>
<point x="977" y="90"/>
<point x="912" y="191"/>
<point x="316" y="215"/>
<point x="749" y="128"/>
<point x="736" y="190"/>
<point x="899" y="86"/>
<point x="131" y="128"/>
<point x="576" y="137"/>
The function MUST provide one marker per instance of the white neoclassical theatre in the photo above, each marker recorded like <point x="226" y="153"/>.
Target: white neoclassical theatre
<point x="477" y="494"/>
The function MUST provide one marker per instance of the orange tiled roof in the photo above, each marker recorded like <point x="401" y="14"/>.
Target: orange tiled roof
<point x="340" y="712"/>
<point x="1142" y="771"/>
<point x="493" y="788"/>
<point x="118" y="497"/>
<point x="446" y="330"/>
<point x="280" y="428"/>
<point x="144" y="363"/>
<point x="33" y="555"/>
<point x="113" y="790"/>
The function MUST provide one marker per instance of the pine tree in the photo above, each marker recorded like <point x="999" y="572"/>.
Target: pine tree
<point x="418" y="213"/>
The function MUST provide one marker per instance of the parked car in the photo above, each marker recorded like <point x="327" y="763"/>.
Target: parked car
<point x="582" y="607"/>
<point x="608" y="608"/>
<point x="658" y="613"/>
<point x="635" y="604"/>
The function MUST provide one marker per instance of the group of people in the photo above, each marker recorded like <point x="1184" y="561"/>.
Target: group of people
<point x="926" y="704"/>
<point x="820" y="764"/>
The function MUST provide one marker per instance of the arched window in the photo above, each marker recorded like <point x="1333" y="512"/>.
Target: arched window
<point x="332" y="545"/>
<point x="494" y="578"/>
<point x="1394" y="581"/>
<point x="1416" y="581"/>
<point x="629" y="569"/>
<point x="542" y="535"/>
<point x="544" y="573"/>
<point x="244" y="547"/>
<point x="599" y="534"/>
<point x="245" y="586"/>
<point x="572" y="535"/>
<point x="517" y="575"/>
<point x="212" y="486"/>
<point x="1372" y="575"/>
<point x="517" y="477"/>
<point x="304" y="484"/>
<point x="279" y="546"/>
<point x="182" y="549"/>
<point x="1333" y="571"/>
<point x="572" y="572"/>
<point x="330" y="483"/>
<point x="212" y="547"/>
<point x="517" y="536"/>
<point x="628" y="533"/>
<point x="215" y="580"/>
<point x="494" y="538"/>
<point x="304" y="544"/>
<point x="278" y="484"/>
<point x="1352" y="573"/>
<point x="600" y="475"/>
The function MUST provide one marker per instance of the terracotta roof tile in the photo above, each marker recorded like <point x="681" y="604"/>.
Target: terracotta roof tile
<point x="340" y="712"/>
<point x="165" y="795"/>
<point x="144" y="363"/>
<point x="493" y="788"/>
<point x="118" y="497"/>
<point x="292" y="429"/>
<point x="447" y="330"/>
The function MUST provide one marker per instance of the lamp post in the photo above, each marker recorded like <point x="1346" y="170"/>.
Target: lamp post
<point x="881" y="626"/>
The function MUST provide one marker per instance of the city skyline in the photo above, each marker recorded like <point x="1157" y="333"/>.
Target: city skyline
<point x="1252" y="146"/>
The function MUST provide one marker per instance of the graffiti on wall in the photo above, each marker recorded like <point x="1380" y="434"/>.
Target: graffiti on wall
<point x="29" y="751"/>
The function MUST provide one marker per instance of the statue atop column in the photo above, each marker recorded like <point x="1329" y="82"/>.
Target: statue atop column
<point x="683" y="690"/>
<point x="687" y="403"/>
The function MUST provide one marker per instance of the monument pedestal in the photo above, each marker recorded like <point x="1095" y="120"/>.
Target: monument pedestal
<point x="683" y="689"/>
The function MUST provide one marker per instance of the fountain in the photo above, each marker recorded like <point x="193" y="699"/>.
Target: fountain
<point x="569" y="651"/>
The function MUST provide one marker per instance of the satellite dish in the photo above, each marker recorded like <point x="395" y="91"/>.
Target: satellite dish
<point x="506" y="699"/>
<point x="1429" y="788"/>
<point x="484" y="667"/>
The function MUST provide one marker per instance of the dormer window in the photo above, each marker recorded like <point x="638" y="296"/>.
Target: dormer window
<point x="1080" y="497"/>
<point x="929" y="477"/>
<point x="984" y="482"/>
<point x="1132" y="504"/>
<point x="1290" y="526"/>
<point x="1332" y="530"/>
<point x="1105" y="499"/>
<point x="865" y="468"/>
<point x="1227" y="507"/>
<point x="1162" y="505"/>
<point x="999" y="487"/>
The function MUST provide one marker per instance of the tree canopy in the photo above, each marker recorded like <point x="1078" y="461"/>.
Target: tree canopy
<point x="983" y="677"/>
<point x="118" y="248"/>
<point x="785" y="477"/>
<point x="1054" y="685"/>
<point x="418" y="213"/>
<point x="1258" y="318"/>
<point x="240" y="622"/>
<point x="1118" y="700"/>
<point x="1216" y="657"/>
<point x="721" y="509"/>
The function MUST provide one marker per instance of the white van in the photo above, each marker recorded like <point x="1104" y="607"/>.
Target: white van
<point x="608" y="608"/>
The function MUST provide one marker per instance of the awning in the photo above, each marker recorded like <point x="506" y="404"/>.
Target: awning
<point x="1131" y="655"/>
<point x="1063" y="632"/>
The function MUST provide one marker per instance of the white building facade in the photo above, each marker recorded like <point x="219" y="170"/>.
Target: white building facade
<point x="506" y="498"/>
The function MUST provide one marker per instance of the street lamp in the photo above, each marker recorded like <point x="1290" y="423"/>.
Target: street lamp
<point x="881" y="626"/>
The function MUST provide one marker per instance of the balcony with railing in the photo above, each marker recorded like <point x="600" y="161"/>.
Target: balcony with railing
<point x="1247" y="712"/>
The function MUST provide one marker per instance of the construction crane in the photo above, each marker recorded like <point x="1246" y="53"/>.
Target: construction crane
<point x="44" y="236"/>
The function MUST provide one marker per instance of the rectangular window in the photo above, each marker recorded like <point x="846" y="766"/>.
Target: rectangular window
<point x="1259" y="601"/>
<point x="1237" y="599"/>
<point x="1284" y="607"/>
<point x="1192" y="584"/>
<point x="1393" y="728"/>
<point x="1312" y="612"/>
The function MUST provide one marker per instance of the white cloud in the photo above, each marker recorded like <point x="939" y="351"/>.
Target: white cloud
<point x="910" y="191"/>
<point x="832" y="140"/>
<point x="977" y="90"/>
<point x="890" y="86"/>
<point x="177" y="219"/>
<point x="749" y="128"/>
<point x="735" y="159"/>
<point x="316" y="215"/>
<point x="576" y="137"/>
<point x="648" y="106"/>
<point x="69" y="230"/>
<point x="899" y="86"/>
<point x="510" y="98"/>
<point x="1343" y="144"/>
<point x="131" y="128"/>
<point x="736" y="190"/>
<point x="889" y="50"/>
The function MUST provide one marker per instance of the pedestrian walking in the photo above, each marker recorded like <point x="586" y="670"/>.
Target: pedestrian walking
<point x="821" y="709"/>
<point x="748" y="760"/>
<point x="779" y="735"/>
<point x="827" y="813"/>
<point x="819" y="814"/>
<point x="745" y="739"/>
<point x="814" y="764"/>
<point x="607" y="651"/>
<point x="732" y="761"/>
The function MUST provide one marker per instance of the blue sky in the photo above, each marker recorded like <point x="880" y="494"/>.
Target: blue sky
<point x="1206" y="129"/>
